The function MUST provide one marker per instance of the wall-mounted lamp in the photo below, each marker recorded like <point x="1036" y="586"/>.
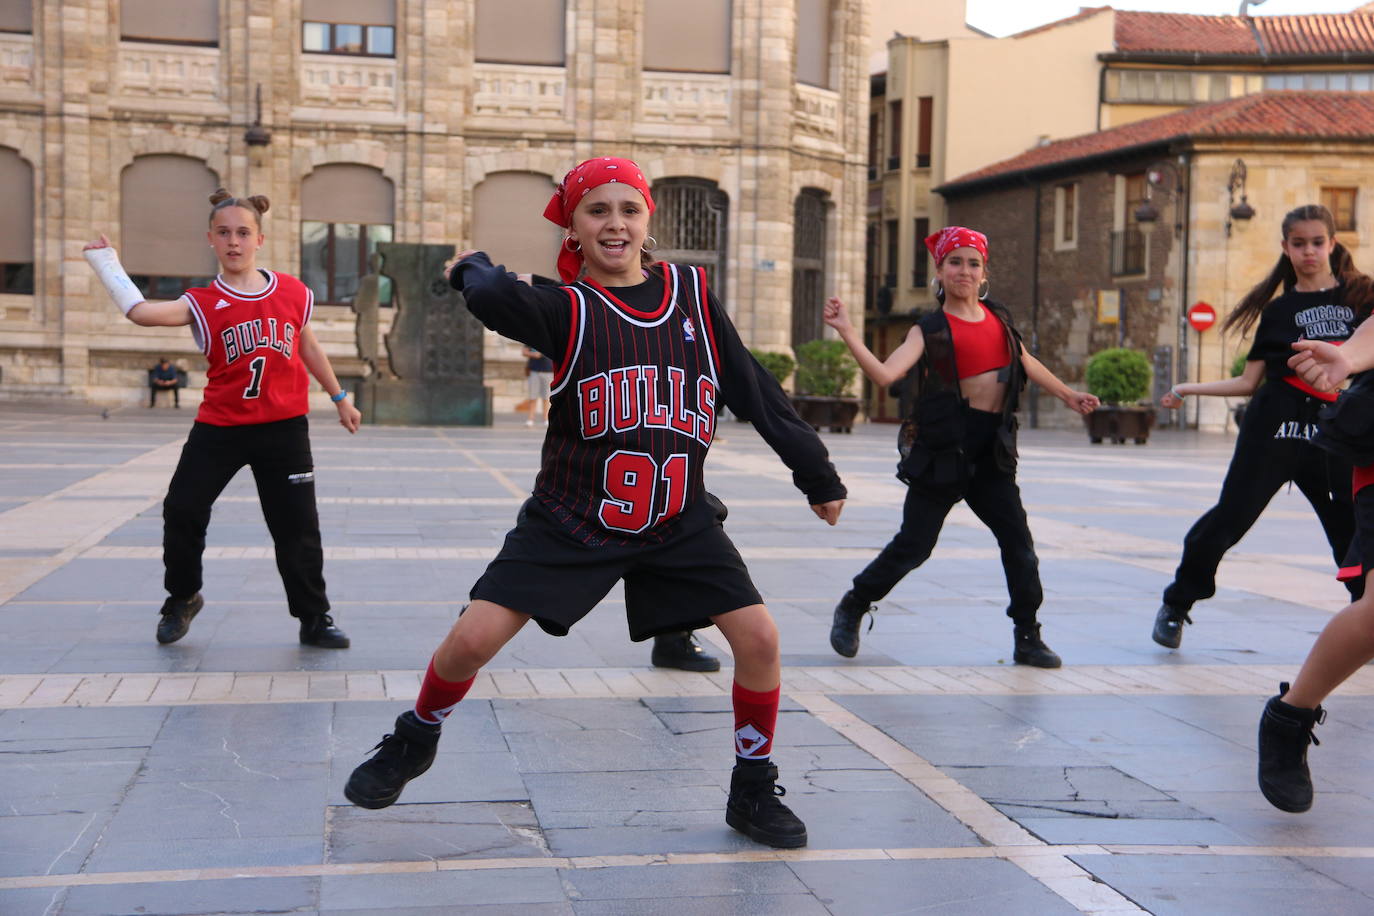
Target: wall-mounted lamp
<point x="1241" y="212"/>
<point x="257" y="135"/>
<point x="1157" y="176"/>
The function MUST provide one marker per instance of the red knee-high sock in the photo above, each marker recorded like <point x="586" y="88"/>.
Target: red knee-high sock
<point x="438" y="697"/>
<point x="756" y="715"/>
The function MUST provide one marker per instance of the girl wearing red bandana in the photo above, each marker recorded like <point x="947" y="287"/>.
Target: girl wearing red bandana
<point x="252" y="325"/>
<point x="643" y="356"/>
<point x="960" y="440"/>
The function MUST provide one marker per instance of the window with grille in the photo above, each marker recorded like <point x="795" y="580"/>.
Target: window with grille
<point x="1341" y="203"/>
<point x="808" y="266"/>
<point x="920" y="266"/>
<point x="689" y="224"/>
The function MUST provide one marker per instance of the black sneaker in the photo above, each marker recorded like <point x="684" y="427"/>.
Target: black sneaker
<point x="1284" y="733"/>
<point x="844" y="630"/>
<point x="321" y="633"/>
<point x="682" y="651"/>
<point x="401" y="756"/>
<point x="1169" y="623"/>
<point x="1030" y="649"/>
<point x="176" y="617"/>
<point x="754" y="810"/>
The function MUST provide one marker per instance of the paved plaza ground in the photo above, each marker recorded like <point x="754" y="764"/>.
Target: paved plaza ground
<point x="934" y="776"/>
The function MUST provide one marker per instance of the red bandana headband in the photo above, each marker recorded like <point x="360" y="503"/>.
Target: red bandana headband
<point x="576" y="185"/>
<point x="951" y="237"/>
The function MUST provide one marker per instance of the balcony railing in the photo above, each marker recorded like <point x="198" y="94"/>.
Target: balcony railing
<point x="817" y="111"/>
<point x="16" y="61"/>
<point x="675" y="98"/>
<point x="519" y="91"/>
<point x="160" y="71"/>
<point x="1128" y="252"/>
<point x="338" y="80"/>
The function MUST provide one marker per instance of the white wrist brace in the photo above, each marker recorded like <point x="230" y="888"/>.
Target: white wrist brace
<point x="105" y="263"/>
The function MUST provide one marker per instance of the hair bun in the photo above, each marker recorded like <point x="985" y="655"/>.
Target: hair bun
<point x="219" y="195"/>
<point x="260" y="203"/>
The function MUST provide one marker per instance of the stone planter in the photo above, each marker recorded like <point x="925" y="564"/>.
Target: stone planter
<point x="1117" y="424"/>
<point x="836" y="414"/>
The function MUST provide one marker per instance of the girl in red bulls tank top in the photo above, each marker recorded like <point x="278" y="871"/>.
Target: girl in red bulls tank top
<point x="252" y="326"/>
<point x="644" y="355"/>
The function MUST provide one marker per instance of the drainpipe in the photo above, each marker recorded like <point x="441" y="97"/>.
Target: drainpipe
<point x="1182" y="219"/>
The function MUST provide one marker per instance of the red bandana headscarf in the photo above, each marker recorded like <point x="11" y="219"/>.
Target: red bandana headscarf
<point x="951" y="237"/>
<point x="575" y="185"/>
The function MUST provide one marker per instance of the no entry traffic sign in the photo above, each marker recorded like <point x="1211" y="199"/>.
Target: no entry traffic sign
<point x="1201" y="316"/>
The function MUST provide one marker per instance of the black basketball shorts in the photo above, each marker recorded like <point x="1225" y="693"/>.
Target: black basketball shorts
<point x="677" y="585"/>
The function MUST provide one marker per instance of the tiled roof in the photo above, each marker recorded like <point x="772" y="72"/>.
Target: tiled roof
<point x="1276" y="36"/>
<point x="1280" y="115"/>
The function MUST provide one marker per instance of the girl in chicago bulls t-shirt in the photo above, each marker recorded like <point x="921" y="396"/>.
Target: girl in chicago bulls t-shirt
<point x="1323" y="298"/>
<point x="252" y="325"/>
<point x="643" y="358"/>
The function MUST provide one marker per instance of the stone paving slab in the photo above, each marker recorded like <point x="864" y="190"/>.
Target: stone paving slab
<point x="205" y="777"/>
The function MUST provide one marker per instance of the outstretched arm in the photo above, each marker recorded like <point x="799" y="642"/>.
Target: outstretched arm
<point x="1077" y="401"/>
<point x="1242" y="386"/>
<point x="880" y="372"/>
<point x="317" y="361"/>
<point x="1324" y="366"/>
<point x="104" y="260"/>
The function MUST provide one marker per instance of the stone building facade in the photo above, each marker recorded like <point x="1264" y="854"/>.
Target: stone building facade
<point x="1083" y="272"/>
<point x="415" y="122"/>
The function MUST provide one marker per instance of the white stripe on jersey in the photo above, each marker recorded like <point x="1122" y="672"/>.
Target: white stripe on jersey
<point x="706" y="328"/>
<point x="200" y="331"/>
<point x="577" y="347"/>
<point x="614" y="307"/>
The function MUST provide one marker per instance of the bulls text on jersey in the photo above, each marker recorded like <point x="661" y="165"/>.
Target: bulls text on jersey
<point x="247" y="336"/>
<point x="635" y="396"/>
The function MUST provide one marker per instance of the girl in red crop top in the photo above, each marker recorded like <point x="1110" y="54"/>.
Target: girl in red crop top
<point x="966" y="456"/>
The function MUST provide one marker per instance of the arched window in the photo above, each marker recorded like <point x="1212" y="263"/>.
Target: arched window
<point x="813" y="42"/>
<point x="689" y="223"/>
<point x="345" y="211"/>
<point x="508" y="222"/>
<point x="808" y="265"/>
<point x="164" y="213"/>
<point x="687" y="37"/>
<point x="16" y="230"/>
<point x="521" y="32"/>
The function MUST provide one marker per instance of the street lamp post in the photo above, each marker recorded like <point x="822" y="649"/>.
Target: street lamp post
<point x="1170" y="179"/>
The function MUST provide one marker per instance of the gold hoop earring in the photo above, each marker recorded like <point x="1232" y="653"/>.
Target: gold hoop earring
<point x="574" y="250"/>
<point x="651" y="243"/>
<point x="987" y="288"/>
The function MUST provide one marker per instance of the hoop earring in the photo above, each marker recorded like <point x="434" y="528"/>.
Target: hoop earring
<point x="651" y="243"/>
<point x="937" y="289"/>
<point x="574" y="250"/>
<point x="987" y="288"/>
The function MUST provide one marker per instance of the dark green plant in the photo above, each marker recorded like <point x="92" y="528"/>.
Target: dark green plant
<point x="779" y="365"/>
<point x="825" y="368"/>
<point x="1118" y="376"/>
<point x="1238" y="364"/>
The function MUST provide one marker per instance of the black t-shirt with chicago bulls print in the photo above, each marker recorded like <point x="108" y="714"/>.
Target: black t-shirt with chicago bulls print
<point x="1298" y="315"/>
<point x="639" y="375"/>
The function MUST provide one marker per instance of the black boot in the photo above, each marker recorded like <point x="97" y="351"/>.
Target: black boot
<point x="176" y="617"/>
<point x="1284" y="733"/>
<point x="1031" y="650"/>
<point x="754" y="810"/>
<point x="682" y="651"/>
<point x="1169" y="623"/>
<point x="844" y="629"/>
<point x="321" y="633"/>
<point x="401" y="756"/>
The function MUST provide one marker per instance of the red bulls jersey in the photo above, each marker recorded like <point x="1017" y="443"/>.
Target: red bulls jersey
<point x="252" y="341"/>
<point x="632" y="413"/>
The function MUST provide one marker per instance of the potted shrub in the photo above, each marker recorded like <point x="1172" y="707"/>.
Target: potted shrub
<point x="825" y="370"/>
<point x="779" y="365"/>
<point x="1120" y="378"/>
<point x="1237" y="369"/>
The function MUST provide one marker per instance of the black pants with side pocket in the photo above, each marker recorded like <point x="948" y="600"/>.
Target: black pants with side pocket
<point x="992" y="494"/>
<point x="279" y="455"/>
<point x="1272" y="449"/>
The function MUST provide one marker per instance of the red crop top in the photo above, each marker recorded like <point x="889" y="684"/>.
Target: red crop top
<point x="979" y="346"/>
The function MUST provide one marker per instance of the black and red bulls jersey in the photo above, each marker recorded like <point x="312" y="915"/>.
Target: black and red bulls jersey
<point x="640" y="373"/>
<point x="252" y="341"/>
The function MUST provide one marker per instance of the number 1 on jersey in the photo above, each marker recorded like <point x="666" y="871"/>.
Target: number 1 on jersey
<point x="631" y="483"/>
<point x="255" y="386"/>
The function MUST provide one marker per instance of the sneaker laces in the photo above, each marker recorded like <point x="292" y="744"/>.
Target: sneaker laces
<point x="855" y="616"/>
